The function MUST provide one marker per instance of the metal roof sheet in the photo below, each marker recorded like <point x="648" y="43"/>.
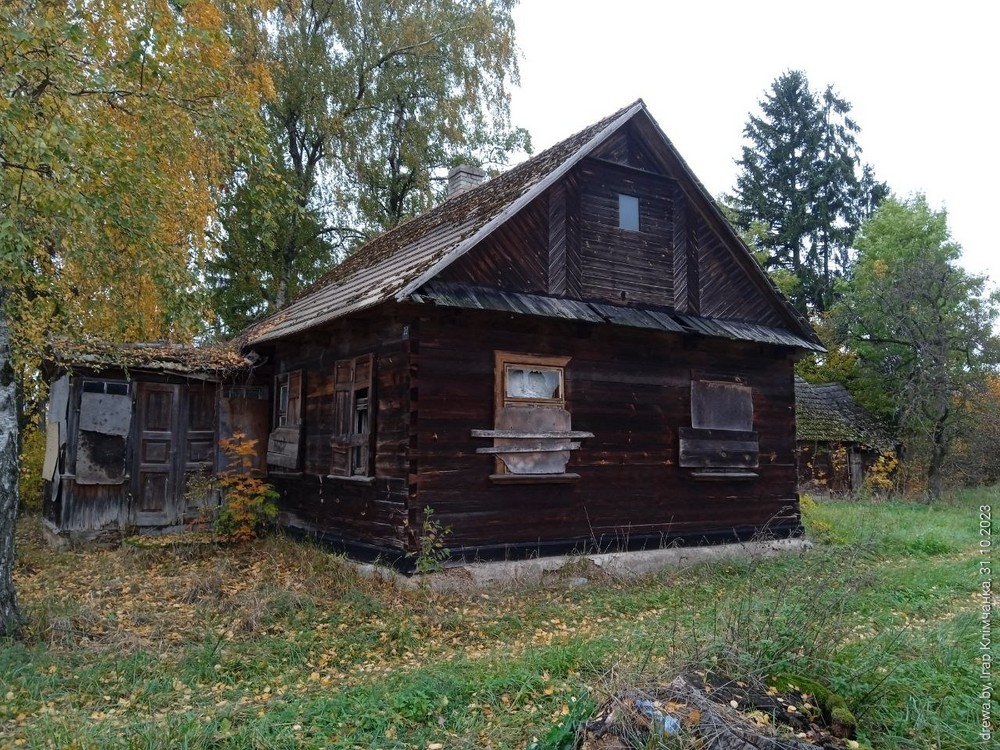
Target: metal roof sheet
<point x="485" y="298"/>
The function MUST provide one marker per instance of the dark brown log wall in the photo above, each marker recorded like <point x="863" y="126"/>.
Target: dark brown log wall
<point x="727" y="290"/>
<point x="514" y="257"/>
<point x="621" y="265"/>
<point x="632" y="390"/>
<point x="354" y="510"/>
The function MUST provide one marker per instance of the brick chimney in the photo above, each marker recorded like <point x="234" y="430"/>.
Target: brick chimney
<point x="463" y="178"/>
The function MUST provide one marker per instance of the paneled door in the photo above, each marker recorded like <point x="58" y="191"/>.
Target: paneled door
<point x="155" y="488"/>
<point x="176" y="438"/>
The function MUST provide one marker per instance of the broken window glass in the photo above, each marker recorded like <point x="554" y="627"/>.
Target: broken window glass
<point x="533" y="383"/>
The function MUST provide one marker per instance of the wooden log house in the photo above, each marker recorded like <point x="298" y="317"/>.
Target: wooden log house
<point x="838" y="441"/>
<point x="577" y="353"/>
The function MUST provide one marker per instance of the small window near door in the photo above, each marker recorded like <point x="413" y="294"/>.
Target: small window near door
<point x="351" y="443"/>
<point x="628" y="212"/>
<point x="284" y="442"/>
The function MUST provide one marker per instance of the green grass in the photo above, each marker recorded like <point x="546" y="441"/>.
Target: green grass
<point x="282" y="644"/>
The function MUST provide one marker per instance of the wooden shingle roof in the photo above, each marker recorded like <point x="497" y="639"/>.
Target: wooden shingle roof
<point x="828" y="413"/>
<point x="395" y="265"/>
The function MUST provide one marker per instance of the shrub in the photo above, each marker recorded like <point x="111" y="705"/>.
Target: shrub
<point x="247" y="502"/>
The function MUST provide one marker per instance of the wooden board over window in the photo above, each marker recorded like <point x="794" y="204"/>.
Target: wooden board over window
<point x="719" y="405"/>
<point x="284" y="442"/>
<point x="721" y="435"/>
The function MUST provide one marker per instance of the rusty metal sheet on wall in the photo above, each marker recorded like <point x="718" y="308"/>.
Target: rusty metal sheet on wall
<point x="106" y="413"/>
<point x="100" y="458"/>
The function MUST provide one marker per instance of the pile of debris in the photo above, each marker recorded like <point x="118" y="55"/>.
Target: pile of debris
<point x="712" y="712"/>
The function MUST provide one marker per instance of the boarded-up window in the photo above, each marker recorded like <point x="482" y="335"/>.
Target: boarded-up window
<point x="104" y="423"/>
<point x="353" y="410"/>
<point x="721" y="406"/>
<point x="532" y="434"/>
<point x="284" y="442"/>
<point x="721" y="437"/>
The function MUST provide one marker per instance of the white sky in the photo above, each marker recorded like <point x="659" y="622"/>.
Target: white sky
<point x="922" y="79"/>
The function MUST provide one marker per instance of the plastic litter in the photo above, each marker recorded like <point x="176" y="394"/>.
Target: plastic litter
<point x="663" y="723"/>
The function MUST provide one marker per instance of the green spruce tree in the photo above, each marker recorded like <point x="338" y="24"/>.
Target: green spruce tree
<point x="801" y="178"/>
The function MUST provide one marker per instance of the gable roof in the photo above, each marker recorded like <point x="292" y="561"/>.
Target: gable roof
<point x="396" y="264"/>
<point x="827" y="412"/>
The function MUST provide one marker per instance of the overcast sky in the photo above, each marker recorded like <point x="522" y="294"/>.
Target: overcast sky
<point x="922" y="79"/>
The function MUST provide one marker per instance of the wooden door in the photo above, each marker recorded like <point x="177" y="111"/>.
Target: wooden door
<point x="155" y="490"/>
<point x="197" y="457"/>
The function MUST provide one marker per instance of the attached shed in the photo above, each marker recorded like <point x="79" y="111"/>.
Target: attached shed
<point x="579" y="352"/>
<point x="127" y="426"/>
<point x="838" y="441"/>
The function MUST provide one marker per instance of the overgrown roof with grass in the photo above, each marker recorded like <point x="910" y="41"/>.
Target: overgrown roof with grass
<point x="828" y="413"/>
<point x="158" y="356"/>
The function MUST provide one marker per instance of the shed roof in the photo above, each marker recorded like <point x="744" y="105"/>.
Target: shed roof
<point x="399" y="262"/>
<point x="827" y="412"/>
<point x="159" y="356"/>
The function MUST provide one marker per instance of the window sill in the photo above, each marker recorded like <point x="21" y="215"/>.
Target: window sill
<point x="354" y="480"/>
<point x="724" y="476"/>
<point x="533" y="478"/>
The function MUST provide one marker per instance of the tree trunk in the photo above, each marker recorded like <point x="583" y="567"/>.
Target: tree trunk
<point x="939" y="449"/>
<point x="10" y="617"/>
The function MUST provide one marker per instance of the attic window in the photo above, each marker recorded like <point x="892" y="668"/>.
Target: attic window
<point x="628" y="212"/>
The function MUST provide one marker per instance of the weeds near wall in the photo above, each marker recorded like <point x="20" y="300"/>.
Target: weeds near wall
<point x="433" y="551"/>
<point x="246" y="501"/>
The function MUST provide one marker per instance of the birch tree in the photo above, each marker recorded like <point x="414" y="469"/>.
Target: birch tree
<point x="117" y="126"/>
<point x="373" y="100"/>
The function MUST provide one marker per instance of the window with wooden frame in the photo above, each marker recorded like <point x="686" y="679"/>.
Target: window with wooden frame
<point x="354" y="406"/>
<point x="628" y="212"/>
<point x="532" y="436"/>
<point x="284" y="442"/>
<point x="721" y="442"/>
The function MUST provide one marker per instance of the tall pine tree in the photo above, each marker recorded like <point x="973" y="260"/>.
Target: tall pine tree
<point x="803" y="186"/>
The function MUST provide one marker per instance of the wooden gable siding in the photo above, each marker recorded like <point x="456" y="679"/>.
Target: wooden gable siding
<point x="626" y="147"/>
<point x="632" y="390"/>
<point x="727" y="291"/>
<point x="620" y="265"/>
<point x="515" y="257"/>
<point x="353" y="510"/>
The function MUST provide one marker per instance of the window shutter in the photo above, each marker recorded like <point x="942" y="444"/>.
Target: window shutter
<point x="362" y="439"/>
<point x="294" y="398"/>
<point x="340" y="462"/>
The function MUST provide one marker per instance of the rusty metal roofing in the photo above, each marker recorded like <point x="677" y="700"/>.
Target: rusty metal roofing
<point x="828" y="413"/>
<point x="159" y="356"/>
<point x="485" y="298"/>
